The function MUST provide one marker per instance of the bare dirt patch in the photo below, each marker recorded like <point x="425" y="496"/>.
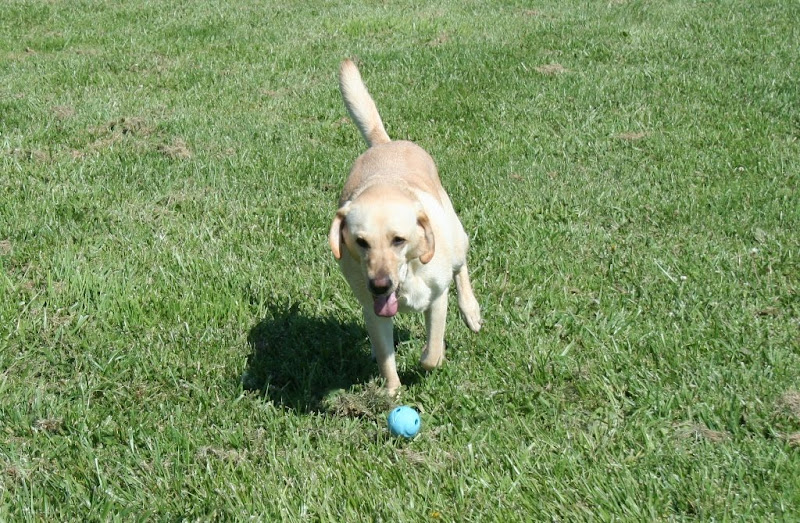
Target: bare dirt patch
<point x="126" y="126"/>
<point x="62" y="112"/>
<point x="177" y="150"/>
<point x="552" y="69"/>
<point x="275" y="93"/>
<point x="371" y="402"/>
<point x="5" y="247"/>
<point x="632" y="136"/>
<point x="699" y="432"/>
<point x="50" y="425"/>
<point x="790" y="402"/>
<point x="115" y="131"/>
<point x="30" y="155"/>
<point x="228" y="455"/>
<point x="443" y="38"/>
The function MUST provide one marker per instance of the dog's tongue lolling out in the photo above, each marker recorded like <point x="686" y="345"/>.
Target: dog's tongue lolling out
<point x="385" y="305"/>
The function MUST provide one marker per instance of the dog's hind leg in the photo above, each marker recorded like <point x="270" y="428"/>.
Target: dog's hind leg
<point x="467" y="303"/>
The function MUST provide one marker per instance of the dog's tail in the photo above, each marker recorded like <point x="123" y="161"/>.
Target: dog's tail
<point x="360" y="105"/>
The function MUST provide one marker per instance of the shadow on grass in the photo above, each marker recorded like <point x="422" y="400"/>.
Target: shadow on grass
<point x="297" y="360"/>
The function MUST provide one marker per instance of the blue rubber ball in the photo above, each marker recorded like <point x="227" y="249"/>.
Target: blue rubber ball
<point x="404" y="421"/>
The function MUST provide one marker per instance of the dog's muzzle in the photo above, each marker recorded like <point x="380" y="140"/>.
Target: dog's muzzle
<point x="384" y="299"/>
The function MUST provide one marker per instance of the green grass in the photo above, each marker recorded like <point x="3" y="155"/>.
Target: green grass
<point x="176" y="341"/>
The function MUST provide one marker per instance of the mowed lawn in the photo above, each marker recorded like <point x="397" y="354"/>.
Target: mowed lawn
<point x="176" y="341"/>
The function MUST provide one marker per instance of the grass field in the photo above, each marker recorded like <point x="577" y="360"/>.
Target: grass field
<point x="176" y="341"/>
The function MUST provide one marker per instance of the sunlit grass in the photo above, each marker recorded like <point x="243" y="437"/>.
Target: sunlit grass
<point x="176" y="341"/>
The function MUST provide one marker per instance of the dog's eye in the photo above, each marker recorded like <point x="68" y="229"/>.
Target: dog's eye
<point x="362" y="243"/>
<point x="398" y="241"/>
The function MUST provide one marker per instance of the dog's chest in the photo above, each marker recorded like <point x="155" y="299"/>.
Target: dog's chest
<point x="414" y="294"/>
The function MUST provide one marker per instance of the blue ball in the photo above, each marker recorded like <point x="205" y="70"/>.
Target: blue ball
<point x="404" y="421"/>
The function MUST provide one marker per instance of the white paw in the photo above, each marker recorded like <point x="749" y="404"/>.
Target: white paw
<point x="431" y="359"/>
<point x="471" y="314"/>
<point x="393" y="390"/>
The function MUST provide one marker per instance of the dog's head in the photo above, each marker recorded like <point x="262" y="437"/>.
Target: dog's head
<point x="383" y="230"/>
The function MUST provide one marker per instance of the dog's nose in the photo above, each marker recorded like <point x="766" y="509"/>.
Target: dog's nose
<point x="379" y="286"/>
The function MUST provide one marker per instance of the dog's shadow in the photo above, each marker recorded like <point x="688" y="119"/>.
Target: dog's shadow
<point x="296" y="359"/>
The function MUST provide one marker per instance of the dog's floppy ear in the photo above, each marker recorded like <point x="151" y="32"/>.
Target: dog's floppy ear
<point x="427" y="245"/>
<point x="335" y="234"/>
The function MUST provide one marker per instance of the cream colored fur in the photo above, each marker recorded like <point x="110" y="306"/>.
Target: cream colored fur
<point x="397" y="238"/>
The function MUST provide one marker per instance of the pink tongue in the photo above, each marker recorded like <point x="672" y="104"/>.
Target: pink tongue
<point x="385" y="305"/>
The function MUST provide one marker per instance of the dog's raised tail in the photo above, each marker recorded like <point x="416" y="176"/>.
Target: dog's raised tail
<point x="360" y="105"/>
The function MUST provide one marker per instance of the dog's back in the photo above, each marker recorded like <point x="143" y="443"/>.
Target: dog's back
<point x="398" y="164"/>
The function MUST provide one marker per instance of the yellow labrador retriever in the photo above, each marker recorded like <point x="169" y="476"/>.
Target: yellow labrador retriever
<point x="397" y="238"/>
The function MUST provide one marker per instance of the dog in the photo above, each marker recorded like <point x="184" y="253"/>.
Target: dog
<point x="397" y="238"/>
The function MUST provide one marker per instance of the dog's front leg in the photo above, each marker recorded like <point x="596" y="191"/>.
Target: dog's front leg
<point x="381" y="337"/>
<point x="435" y="318"/>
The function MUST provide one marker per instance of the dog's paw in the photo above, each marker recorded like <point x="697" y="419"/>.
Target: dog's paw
<point x="471" y="314"/>
<point x="392" y="391"/>
<point x="431" y="359"/>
